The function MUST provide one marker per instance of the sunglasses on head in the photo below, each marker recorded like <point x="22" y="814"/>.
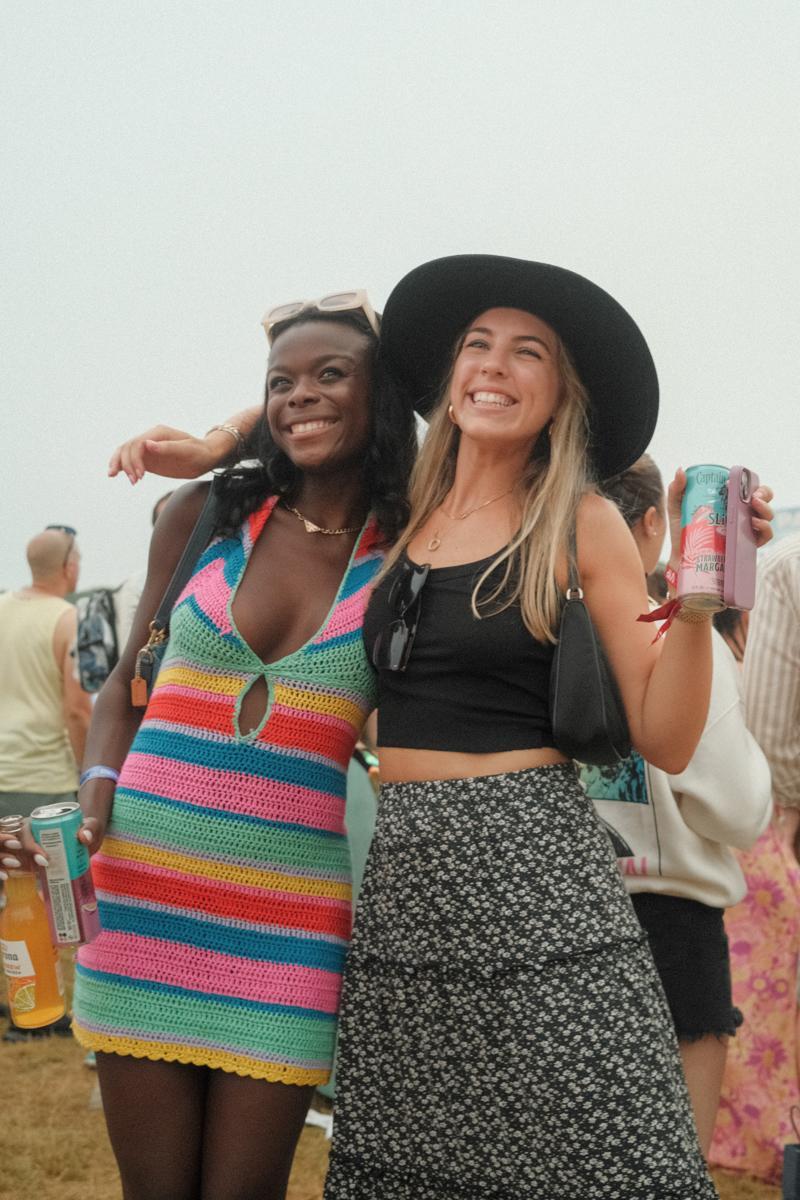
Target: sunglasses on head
<point x="392" y="647"/>
<point x="338" y="302"/>
<point x="71" y="534"/>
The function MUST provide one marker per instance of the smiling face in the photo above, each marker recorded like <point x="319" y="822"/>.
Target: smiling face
<point x="318" y="394"/>
<point x="506" y="383"/>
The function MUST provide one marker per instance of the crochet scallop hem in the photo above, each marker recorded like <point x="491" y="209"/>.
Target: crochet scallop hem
<point x="191" y="1057"/>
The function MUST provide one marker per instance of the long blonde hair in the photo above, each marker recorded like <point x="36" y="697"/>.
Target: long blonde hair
<point x="550" y="489"/>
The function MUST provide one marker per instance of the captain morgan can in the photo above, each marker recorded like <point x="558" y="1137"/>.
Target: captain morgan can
<point x="704" y="512"/>
<point x="68" y="888"/>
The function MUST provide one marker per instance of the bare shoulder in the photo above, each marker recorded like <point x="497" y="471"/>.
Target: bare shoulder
<point x="603" y="535"/>
<point x="182" y="509"/>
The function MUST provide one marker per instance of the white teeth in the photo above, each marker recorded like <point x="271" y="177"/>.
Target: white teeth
<point x="493" y="399"/>
<point x="308" y="426"/>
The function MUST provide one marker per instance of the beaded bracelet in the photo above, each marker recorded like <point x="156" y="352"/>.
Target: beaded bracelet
<point x="98" y="772"/>
<point x="235" y="433"/>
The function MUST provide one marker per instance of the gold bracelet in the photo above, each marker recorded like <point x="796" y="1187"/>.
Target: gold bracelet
<point x="693" y="616"/>
<point x="235" y="433"/>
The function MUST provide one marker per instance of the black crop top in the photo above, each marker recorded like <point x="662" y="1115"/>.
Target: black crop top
<point x="477" y="685"/>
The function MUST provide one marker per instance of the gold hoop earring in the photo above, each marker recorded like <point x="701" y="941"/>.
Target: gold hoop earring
<point x="451" y="414"/>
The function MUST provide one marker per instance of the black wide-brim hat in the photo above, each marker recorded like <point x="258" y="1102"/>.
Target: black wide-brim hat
<point x="432" y="305"/>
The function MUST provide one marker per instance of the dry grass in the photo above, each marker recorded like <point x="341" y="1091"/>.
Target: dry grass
<point x="58" y="1148"/>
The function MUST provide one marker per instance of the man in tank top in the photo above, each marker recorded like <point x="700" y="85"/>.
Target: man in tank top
<point x="44" y="714"/>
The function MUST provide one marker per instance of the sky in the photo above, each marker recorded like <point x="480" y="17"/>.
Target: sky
<point x="173" y="170"/>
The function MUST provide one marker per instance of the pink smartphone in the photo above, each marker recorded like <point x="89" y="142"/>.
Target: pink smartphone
<point x="739" y="588"/>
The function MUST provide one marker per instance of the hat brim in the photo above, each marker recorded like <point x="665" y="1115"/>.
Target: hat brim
<point x="432" y="305"/>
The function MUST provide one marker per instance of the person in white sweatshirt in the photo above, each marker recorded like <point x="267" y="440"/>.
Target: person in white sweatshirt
<point x="673" y="833"/>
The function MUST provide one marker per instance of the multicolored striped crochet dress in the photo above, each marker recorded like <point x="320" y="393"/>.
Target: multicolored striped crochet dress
<point x="224" y="878"/>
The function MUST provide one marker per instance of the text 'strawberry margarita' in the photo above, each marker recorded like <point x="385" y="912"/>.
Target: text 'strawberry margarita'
<point x="704" y="511"/>
<point x="68" y="888"/>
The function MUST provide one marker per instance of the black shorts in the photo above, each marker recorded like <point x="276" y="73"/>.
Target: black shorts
<point x="690" y="948"/>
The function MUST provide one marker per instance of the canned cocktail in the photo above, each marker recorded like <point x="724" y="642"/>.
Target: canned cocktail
<point x="704" y="510"/>
<point x="68" y="888"/>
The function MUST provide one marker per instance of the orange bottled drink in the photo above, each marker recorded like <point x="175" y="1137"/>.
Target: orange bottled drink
<point x="30" y="961"/>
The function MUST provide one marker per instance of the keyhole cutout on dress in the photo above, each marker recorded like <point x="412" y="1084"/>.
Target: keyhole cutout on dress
<point x="253" y="705"/>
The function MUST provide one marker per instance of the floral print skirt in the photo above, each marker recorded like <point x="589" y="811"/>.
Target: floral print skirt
<point x="761" y="1083"/>
<point x="504" y="1033"/>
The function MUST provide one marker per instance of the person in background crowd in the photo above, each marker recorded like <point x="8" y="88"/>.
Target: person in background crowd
<point x="672" y="834"/>
<point x="762" y="1080"/>
<point x="129" y="592"/>
<point x="44" y="714"/>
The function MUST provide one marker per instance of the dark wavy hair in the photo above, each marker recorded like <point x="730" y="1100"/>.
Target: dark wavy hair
<point x="387" y="462"/>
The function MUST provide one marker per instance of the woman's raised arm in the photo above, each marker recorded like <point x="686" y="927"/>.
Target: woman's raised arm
<point x="177" y="454"/>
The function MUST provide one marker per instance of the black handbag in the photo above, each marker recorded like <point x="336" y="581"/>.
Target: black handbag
<point x="586" y="711"/>
<point x="148" y="660"/>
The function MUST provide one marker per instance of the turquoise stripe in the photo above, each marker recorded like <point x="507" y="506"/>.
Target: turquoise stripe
<point x="361" y="573"/>
<point x="331" y="643"/>
<point x="221" y="939"/>
<point x="287" y="1033"/>
<point x="172" y="823"/>
<point x="168" y="989"/>
<point x="243" y="758"/>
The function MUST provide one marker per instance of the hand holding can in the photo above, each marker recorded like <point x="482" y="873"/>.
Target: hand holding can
<point x="68" y="889"/>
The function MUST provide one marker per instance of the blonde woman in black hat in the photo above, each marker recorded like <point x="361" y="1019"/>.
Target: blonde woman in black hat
<point x="504" y="1033"/>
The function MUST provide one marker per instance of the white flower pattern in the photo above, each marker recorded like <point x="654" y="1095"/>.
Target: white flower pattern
<point x="504" y="1035"/>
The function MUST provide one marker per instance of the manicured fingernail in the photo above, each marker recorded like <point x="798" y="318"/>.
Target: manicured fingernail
<point x="3" y="875"/>
<point x="40" y="860"/>
<point x="13" y="844"/>
<point x="85" y="835"/>
<point x="10" y="862"/>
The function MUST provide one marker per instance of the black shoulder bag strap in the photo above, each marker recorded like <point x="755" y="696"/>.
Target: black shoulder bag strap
<point x="149" y="657"/>
<point x="574" y="590"/>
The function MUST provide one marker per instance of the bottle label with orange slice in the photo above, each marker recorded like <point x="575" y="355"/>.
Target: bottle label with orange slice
<point x="21" y="977"/>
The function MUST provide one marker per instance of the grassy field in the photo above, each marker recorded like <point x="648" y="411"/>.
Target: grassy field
<point x="57" y="1149"/>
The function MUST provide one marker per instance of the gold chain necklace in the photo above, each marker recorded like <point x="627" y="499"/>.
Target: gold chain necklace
<point x="436" y="541"/>
<point x="312" y="528"/>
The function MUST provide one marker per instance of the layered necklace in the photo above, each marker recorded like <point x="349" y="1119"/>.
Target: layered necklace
<point x="436" y="541"/>
<point x="312" y="528"/>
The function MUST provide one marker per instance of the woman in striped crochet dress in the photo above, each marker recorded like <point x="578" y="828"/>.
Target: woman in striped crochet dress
<point x="211" y="995"/>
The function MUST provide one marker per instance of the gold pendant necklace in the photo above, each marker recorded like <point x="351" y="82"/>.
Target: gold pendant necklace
<point x="312" y="528"/>
<point x="436" y="541"/>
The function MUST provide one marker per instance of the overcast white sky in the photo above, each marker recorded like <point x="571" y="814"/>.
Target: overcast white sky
<point x="170" y="170"/>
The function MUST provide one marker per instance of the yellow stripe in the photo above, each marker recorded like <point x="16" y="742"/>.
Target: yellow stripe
<point x="228" y="872"/>
<point x="316" y="702"/>
<point x="199" y="1056"/>
<point x="226" y="685"/>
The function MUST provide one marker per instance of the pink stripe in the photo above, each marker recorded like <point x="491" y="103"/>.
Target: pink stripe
<point x="209" y="971"/>
<point x="348" y="616"/>
<point x="252" y="795"/>
<point x="211" y="583"/>
<point x="234" y="889"/>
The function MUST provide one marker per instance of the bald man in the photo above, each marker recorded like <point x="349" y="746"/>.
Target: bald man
<point x="44" y="714"/>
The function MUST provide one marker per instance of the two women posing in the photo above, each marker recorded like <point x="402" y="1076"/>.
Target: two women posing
<point x="504" y="1032"/>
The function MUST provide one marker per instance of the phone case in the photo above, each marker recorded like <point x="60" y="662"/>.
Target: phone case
<point x="740" y="541"/>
